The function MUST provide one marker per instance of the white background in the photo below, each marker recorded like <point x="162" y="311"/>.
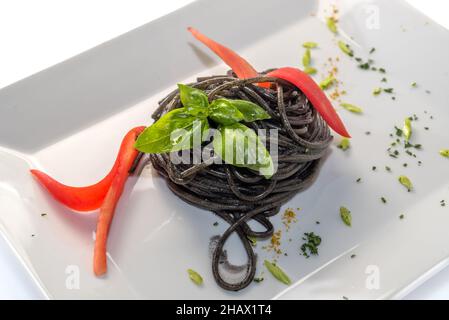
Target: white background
<point x="35" y="35"/>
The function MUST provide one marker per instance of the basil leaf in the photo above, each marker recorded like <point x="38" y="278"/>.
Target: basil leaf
<point x="194" y="100"/>
<point x="172" y="132"/>
<point x="240" y="146"/>
<point x="195" y="277"/>
<point x="251" y="111"/>
<point x="222" y="111"/>
<point x="277" y="272"/>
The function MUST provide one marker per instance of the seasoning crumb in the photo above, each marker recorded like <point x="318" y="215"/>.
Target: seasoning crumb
<point x="353" y="256"/>
<point x="43" y="214"/>
<point x="359" y="180"/>
<point x="383" y="199"/>
<point x="288" y="218"/>
<point x="443" y="203"/>
<point x="401" y="217"/>
<point x="215" y="224"/>
<point x="374" y="168"/>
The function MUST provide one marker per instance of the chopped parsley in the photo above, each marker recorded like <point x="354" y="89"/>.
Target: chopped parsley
<point x="405" y="181"/>
<point x="310" y="45"/>
<point x="310" y="246"/>
<point x="383" y="199"/>
<point x="351" y="108"/>
<point x="346" y="216"/>
<point x="345" y="48"/>
<point x="444" y="153"/>
<point x="344" y="144"/>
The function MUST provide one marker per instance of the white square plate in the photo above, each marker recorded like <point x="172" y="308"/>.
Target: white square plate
<point x="68" y="121"/>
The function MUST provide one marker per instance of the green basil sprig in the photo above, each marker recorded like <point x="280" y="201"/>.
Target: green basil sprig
<point x="175" y="130"/>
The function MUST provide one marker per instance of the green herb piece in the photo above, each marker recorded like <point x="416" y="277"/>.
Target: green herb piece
<point x="43" y="214"/>
<point x="172" y="132"/>
<point x="353" y="256"/>
<point x="388" y="90"/>
<point x="359" y="180"/>
<point x="352" y="108"/>
<point x="377" y="91"/>
<point x="382" y="70"/>
<point x="344" y="144"/>
<point x="194" y="100"/>
<point x="215" y="224"/>
<point x="374" y="168"/>
<point x="405" y="181"/>
<point x="250" y="111"/>
<point x="383" y="199"/>
<point x="252" y="240"/>
<point x="195" y="277"/>
<point x="310" y="70"/>
<point x="223" y="112"/>
<point x="407" y="129"/>
<point x="413" y="84"/>
<point x="306" y="58"/>
<point x="226" y="111"/>
<point x="384" y="80"/>
<point x="346" y="216"/>
<point x="332" y="25"/>
<point x="310" y="45"/>
<point x="444" y="153"/>
<point x="364" y="66"/>
<point x="258" y="280"/>
<point x="372" y="50"/>
<point x="240" y="146"/>
<point x="326" y="83"/>
<point x="443" y="203"/>
<point x="310" y="247"/>
<point x="401" y="216"/>
<point x="277" y="272"/>
<point x="388" y="168"/>
<point x="345" y="48"/>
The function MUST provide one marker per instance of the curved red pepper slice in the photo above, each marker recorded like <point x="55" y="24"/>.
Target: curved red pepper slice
<point x="82" y="198"/>
<point x="127" y="156"/>
<point x="240" y="66"/>
<point x="315" y="95"/>
<point x="313" y="92"/>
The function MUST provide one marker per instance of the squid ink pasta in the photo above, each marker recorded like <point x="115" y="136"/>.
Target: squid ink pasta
<point x="239" y="195"/>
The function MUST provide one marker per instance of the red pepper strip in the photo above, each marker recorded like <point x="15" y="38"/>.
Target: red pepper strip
<point x="77" y="198"/>
<point x="127" y="156"/>
<point x="240" y="66"/>
<point x="314" y="93"/>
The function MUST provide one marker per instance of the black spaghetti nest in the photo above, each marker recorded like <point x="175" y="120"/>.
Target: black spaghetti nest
<point x="239" y="195"/>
